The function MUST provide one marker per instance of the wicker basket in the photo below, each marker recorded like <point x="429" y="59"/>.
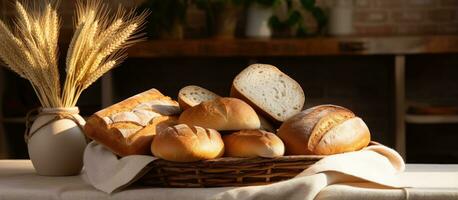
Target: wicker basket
<point x="224" y="172"/>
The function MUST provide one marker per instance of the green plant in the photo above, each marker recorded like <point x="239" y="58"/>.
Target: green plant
<point x="295" y="20"/>
<point x="165" y="15"/>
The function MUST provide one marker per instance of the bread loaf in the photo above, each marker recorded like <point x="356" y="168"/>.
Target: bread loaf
<point x="324" y="130"/>
<point x="221" y="114"/>
<point x="269" y="91"/>
<point x="193" y="95"/>
<point x="253" y="143"/>
<point x="183" y="143"/>
<point x="128" y="127"/>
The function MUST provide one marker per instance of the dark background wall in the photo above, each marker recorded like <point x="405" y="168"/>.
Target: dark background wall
<point x="364" y="84"/>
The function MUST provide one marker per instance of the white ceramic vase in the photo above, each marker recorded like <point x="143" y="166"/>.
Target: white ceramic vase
<point x="341" y="19"/>
<point x="257" y="24"/>
<point x="56" y="147"/>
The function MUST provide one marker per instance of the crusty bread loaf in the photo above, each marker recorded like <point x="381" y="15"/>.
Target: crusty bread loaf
<point x="269" y="91"/>
<point x="183" y="143"/>
<point x="324" y="130"/>
<point x="193" y="95"/>
<point x="253" y="143"/>
<point x="221" y="114"/>
<point x="128" y="127"/>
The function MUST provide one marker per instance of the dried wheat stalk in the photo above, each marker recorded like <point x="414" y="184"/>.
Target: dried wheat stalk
<point x="30" y="48"/>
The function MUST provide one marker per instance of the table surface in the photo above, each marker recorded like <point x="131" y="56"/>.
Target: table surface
<point x="19" y="181"/>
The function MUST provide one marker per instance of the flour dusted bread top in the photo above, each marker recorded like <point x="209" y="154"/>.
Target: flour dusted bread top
<point x="269" y="90"/>
<point x="129" y="126"/>
<point x="140" y="109"/>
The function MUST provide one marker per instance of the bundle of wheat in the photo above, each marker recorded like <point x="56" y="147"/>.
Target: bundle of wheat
<point x="30" y="48"/>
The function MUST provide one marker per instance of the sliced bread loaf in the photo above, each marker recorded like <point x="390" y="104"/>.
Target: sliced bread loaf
<point x="269" y="90"/>
<point x="193" y="95"/>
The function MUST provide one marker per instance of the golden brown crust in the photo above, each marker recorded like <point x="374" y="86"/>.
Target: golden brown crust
<point x="183" y="143"/>
<point x="304" y="133"/>
<point x="351" y="135"/>
<point x="221" y="114"/>
<point x="253" y="143"/>
<point x="145" y="136"/>
<point x="328" y="117"/>
<point x="95" y="130"/>
<point x="136" y="144"/>
<point x="129" y="103"/>
<point x="127" y="136"/>
<point x="183" y="104"/>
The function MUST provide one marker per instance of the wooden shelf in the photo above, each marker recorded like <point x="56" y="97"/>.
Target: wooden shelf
<point x="296" y="47"/>
<point x="431" y="119"/>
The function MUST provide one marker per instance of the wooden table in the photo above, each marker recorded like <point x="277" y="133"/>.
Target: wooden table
<point x="19" y="181"/>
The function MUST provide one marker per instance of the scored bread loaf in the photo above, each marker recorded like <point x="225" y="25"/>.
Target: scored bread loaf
<point x="269" y="91"/>
<point x="324" y="130"/>
<point x="222" y="114"/>
<point x="183" y="143"/>
<point x="193" y="95"/>
<point x="253" y="143"/>
<point x="128" y="127"/>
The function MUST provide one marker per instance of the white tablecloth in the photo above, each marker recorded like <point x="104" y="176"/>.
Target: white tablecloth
<point x="19" y="181"/>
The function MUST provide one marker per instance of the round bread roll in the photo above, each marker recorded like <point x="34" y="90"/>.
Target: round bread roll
<point x="324" y="130"/>
<point x="253" y="143"/>
<point x="183" y="143"/>
<point x="222" y="114"/>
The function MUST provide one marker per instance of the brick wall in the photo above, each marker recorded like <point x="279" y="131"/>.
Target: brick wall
<point x="371" y="17"/>
<point x="403" y="17"/>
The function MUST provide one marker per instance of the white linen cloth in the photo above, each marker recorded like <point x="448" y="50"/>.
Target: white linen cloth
<point x="19" y="181"/>
<point x="376" y="164"/>
<point x="108" y="173"/>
